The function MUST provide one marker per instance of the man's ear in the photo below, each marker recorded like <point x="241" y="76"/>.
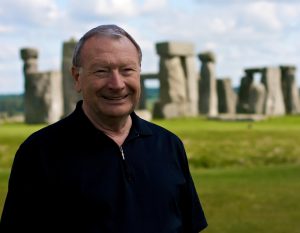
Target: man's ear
<point x="76" y="77"/>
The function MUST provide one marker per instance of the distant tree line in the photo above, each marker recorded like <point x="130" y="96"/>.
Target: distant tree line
<point x="12" y="104"/>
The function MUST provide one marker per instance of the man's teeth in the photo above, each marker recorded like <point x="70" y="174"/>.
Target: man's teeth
<point x="115" y="98"/>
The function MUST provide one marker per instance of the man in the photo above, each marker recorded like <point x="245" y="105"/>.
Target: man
<point x="102" y="168"/>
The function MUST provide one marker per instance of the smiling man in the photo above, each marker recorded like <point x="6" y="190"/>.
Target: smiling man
<point x="102" y="168"/>
<point x="107" y="72"/>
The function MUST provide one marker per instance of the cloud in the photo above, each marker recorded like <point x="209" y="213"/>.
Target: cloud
<point x="8" y="53"/>
<point x="264" y="14"/>
<point x="11" y="78"/>
<point x="221" y="26"/>
<point x="153" y="5"/>
<point x="30" y="12"/>
<point x="113" y="9"/>
<point x="104" y="8"/>
<point x="6" y="29"/>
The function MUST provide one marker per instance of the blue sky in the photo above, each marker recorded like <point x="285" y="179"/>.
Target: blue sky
<point x="242" y="33"/>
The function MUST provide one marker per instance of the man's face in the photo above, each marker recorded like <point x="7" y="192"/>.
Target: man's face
<point x="109" y="77"/>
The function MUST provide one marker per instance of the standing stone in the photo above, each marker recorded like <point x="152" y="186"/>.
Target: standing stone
<point x="178" y="79"/>
<point x="189" y="66"/>
<point x="290" y="90"/>
<point x="208" y="103"/>
<point x="243" y="95"/>
<point x="257" y="95"/>
<point x="30" y="59"/>
<point x="226" y="96"/>
<point x="172" y="100"/>
<point x="172" y="81"/>
<point x="142" y="101"/>
<point x="43" y="97"/>
<point x="70" y="96"/>
<point x="274" y="103"/>
<point x="243" y="105"/>
<point x="43" y="91"/>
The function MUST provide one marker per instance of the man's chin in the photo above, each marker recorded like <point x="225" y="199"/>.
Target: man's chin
<point x="116" y="110"/>
<point x="118" y="114"/>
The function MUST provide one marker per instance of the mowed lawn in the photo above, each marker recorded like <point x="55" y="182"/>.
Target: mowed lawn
<point x="247" y="200"/>
<point x="247" y="174"/>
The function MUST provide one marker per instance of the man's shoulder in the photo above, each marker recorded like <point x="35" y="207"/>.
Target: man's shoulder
<point x="156" y="129"/>
<point x="54" y="131"/>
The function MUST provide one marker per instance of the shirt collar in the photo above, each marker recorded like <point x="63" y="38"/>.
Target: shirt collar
<point x="139" y="126"/>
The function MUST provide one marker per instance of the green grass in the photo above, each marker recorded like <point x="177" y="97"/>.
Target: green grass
<point x="11" y="136"/>
<point x="4" y="174"/>
<point x="247" y="200"/>
<point x="220" y="144"/>
<point x="247" y="174"/>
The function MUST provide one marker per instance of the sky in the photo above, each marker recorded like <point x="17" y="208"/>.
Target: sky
<point x="242" y="33"/>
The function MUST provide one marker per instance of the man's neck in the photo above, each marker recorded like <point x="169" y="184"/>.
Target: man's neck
<point x="118" y="134"/>
<point x="115" y="128"/>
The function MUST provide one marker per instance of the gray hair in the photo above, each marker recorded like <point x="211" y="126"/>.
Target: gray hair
<point x="110" y="30"/>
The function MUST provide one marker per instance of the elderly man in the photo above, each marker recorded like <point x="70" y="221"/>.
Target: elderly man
<point x="102" y="168"/>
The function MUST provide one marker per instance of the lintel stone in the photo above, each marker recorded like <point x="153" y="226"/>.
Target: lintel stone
<point x="253" y="70"/>
<point x="173" y="48"/>
<point x="27" y="53"/>
<point x="207" y="56"/>
<point x="288" y="67"/>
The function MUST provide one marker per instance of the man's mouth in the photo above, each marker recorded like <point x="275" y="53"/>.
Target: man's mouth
<point x="115" y="97"/>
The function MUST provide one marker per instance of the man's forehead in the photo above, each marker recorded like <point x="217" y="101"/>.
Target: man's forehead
<point x="126" y="61"/>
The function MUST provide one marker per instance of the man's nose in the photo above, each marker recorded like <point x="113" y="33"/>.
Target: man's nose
<point x="116" y="80"/>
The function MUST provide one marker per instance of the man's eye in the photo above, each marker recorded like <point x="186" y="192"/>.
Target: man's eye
<point x="101" y="72"/>
<point x="128" y="71"/>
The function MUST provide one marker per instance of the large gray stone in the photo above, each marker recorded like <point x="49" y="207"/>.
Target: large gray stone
<point x="170" y="110"/>
<point x="192" y="79"/>
<point x="208" y="100"/>
<point x="174" y="48"/>
<point x="178" y="81"/>
<point x="29" y="57"/>
<point x="290" y="89"/>
<point x="274" y="103"/>
<point x="70" y="96"/>
<point x="207" y="56"/>
<point x="43" y="97"/>
<point x="257" y="96"/>
<point x="243" y="95"/>
<point x="226" y="96"/>
<point x="27" y="53"/>
<point x="172" y="80"/>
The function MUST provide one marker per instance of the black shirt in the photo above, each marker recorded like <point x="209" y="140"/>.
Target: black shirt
<point x="71" y="177"/>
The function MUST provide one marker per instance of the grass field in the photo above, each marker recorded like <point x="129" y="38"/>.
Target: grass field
<point x="247" y="200"/>
<point x="247" y="174"/>
<point x="221" y="144"/>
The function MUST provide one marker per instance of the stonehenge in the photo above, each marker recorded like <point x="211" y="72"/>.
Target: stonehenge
<point x="184" y="91"/>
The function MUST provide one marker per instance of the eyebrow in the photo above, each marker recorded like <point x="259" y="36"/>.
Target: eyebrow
<point x="100" y="63"/>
